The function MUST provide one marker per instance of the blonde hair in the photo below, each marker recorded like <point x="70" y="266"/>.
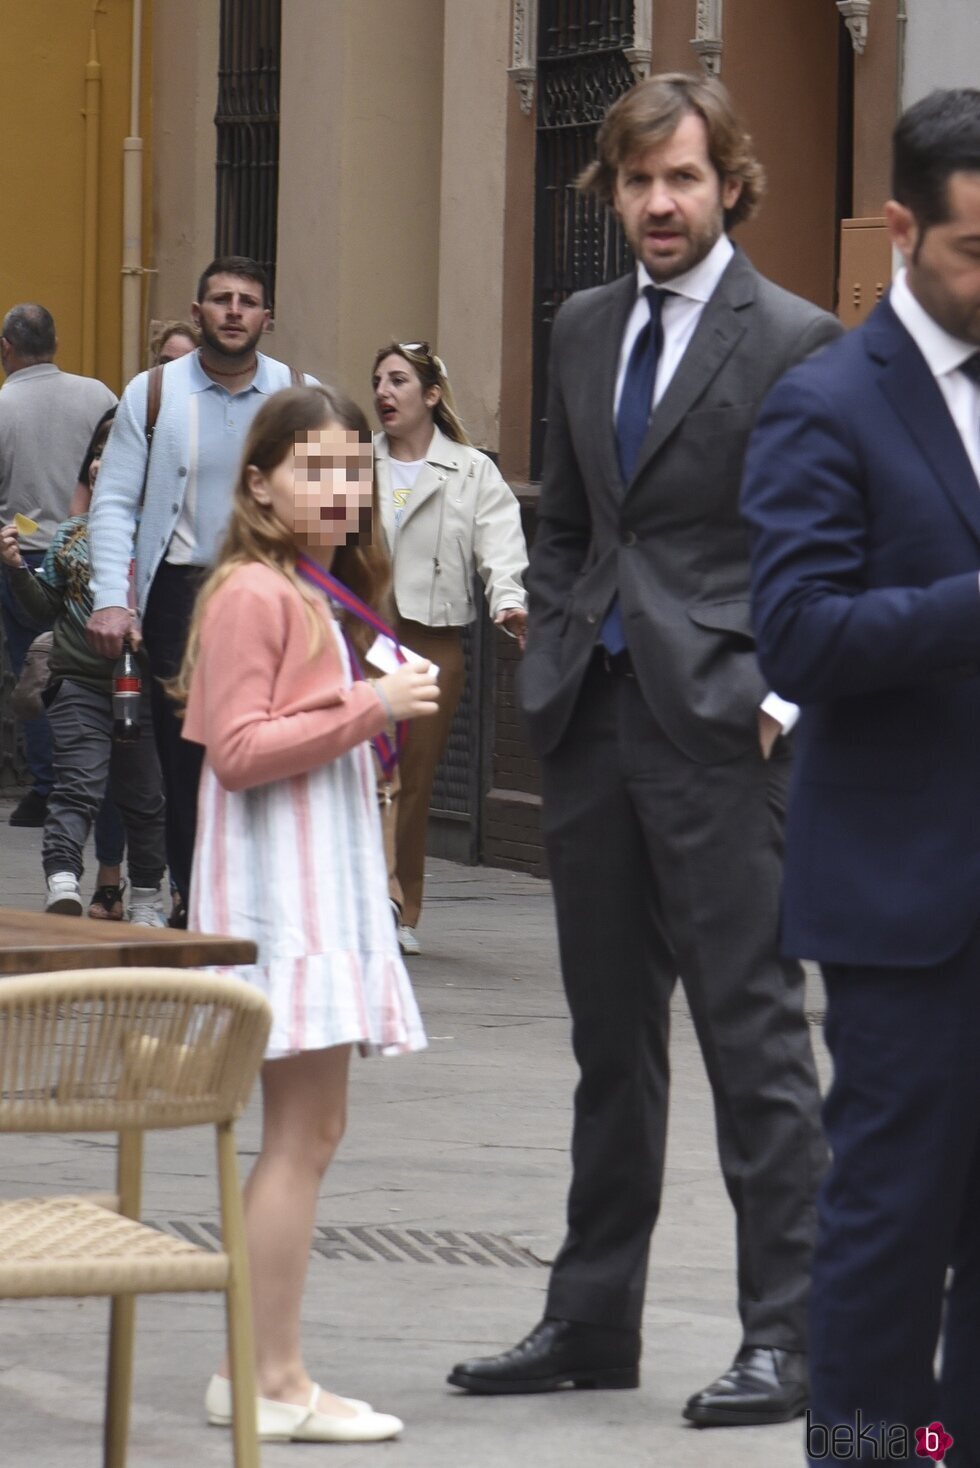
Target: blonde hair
<point x="255" y="532"/>
<point x="431" y="372"/>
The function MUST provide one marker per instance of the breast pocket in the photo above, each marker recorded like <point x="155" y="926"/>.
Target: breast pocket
<point x="708" y="452"/>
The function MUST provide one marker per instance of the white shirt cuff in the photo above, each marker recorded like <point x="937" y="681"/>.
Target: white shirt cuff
<point x="782" y="711"/>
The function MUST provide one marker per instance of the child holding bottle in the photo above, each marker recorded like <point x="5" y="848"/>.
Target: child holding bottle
<point x="78" y="700"/>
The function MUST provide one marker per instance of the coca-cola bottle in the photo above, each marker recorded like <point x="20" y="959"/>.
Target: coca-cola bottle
<point x="126" y="690"/>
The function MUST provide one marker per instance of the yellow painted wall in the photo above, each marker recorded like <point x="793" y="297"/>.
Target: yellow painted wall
<point x="44" y="47"/>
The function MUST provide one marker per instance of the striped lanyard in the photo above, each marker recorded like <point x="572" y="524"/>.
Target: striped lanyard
<point x="387" y="750"/>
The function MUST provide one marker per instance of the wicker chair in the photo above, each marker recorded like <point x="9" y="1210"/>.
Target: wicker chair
<point x="130" y="1050"/>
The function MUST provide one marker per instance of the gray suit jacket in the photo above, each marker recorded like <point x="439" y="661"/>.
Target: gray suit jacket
<point x="671" y="542"/>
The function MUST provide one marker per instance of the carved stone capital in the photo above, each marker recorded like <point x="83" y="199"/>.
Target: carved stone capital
<point x="523" y="69"/>
<point x="708" y="41"/>
<point x="524" y="78"/>
<point x="709" y="53"/>
<point x="640" y="54"/>
<point x="640" y="59"/>
<point x="856" y="13"/>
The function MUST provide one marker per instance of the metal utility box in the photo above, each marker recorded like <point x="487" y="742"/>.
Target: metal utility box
<point x="865" y="268"/>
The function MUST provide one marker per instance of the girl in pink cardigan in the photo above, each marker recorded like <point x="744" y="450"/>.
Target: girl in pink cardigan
<point x="288" y="848"/>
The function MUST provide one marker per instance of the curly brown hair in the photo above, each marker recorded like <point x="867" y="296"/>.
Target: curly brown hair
<point x="649" y="114"/>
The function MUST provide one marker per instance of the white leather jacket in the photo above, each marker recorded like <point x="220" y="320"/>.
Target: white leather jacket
<point x="460" y="516"/>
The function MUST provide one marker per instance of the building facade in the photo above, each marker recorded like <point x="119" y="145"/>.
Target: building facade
<point x="405" y="168"/>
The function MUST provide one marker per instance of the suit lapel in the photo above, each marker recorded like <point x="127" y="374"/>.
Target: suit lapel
<point x="717" y="333"/>
<point x="913" y="392"/>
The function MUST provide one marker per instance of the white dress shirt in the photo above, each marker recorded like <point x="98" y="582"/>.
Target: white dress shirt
<point x="689" y="294"/>
<point x="944" y="356"/>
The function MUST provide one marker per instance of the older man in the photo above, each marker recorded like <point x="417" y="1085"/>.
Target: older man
<point x="46" y="420"/>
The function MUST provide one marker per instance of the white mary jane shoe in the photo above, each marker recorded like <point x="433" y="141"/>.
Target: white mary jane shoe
<point x="289" y="1422"/>
<point x="217" y="1402"/>
<point x="286" y="1422"/>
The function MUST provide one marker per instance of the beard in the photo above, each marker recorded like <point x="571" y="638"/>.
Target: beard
<point x="240" y="353"/>
<point x="694" y="245"/>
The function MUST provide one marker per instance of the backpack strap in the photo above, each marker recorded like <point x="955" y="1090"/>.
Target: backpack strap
<point x="296" y="378"/>
<point x="154" y="392"/>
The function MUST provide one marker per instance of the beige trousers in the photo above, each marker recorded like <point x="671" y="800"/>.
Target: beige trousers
<point x="405" y="801"/>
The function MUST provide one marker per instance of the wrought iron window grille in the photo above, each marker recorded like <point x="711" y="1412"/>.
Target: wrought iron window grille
<point x="247" y="123"/>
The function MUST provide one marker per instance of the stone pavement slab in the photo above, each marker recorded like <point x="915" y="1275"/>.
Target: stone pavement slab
<point x="434" y="1230"/>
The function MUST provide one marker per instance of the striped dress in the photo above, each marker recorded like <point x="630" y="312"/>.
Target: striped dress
<point x="297" y="865"/>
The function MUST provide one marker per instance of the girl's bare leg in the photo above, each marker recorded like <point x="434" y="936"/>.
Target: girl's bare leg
<point x="304" y="1111"/>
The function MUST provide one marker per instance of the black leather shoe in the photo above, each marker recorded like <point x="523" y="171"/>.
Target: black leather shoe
<point x="557" y="1353"/>
<point x="31" y="811"/>
<point x="762" y="1385"/>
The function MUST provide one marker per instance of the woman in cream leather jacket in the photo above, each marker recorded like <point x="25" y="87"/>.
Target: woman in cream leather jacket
<point x="445" y="512"/>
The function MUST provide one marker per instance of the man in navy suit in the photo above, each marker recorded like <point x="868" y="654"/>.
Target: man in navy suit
<point x="862" y="492"/>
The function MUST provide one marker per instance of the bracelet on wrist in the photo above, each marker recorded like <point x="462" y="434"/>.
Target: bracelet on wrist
<point x="385" y="701"/>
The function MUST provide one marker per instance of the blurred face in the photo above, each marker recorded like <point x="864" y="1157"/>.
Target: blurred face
<point x="943" y="261"/>
<point x="175" y="346"/>
<point x="401" y="405"/>
<point x="232" y="316"/>
<point x="671" y="202"/>
<point x="323" y="489"/>
<point x="96" y="464"/>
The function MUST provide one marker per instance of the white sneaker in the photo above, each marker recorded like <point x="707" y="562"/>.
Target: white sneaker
<point x="146" y="907"/>
<point x="63" y="894"/>
<point x="408" y="942"/>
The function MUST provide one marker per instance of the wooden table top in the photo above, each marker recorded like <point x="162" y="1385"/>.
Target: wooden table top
<point x="39" y="943"/>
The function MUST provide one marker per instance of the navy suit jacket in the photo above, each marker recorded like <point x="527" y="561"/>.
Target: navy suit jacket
<point x="864" y="516"/>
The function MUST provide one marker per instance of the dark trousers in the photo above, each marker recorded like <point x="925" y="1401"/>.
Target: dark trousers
<point x="110" y="833"/>
<point x="663" y="867"/>
<point x="19" y="632"/>
<point x="165" y="625"/>
<point x="901" y="1204"/>
<point x="87" y="761"/>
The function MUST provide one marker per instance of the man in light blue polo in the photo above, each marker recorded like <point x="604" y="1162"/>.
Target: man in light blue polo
<point x="208" y="401"/>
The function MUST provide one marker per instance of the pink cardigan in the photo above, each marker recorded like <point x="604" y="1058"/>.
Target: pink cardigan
<point x="263" y="708"/>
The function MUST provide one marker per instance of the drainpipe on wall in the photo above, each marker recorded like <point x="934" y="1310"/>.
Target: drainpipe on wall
<point x="903" y="31"/>
<point x="90" y="223"/>
<point x="132" y="245"/>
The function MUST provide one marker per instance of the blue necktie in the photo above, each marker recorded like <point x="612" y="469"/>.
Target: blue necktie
<point x="971" y="367"/>
<point x="632" y="419"/>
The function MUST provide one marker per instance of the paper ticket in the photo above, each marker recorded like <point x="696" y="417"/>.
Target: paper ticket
<point x="382" y="655"/>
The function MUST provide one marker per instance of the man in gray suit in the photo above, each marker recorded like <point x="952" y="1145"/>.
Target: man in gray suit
<point x="663" y="769"/>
